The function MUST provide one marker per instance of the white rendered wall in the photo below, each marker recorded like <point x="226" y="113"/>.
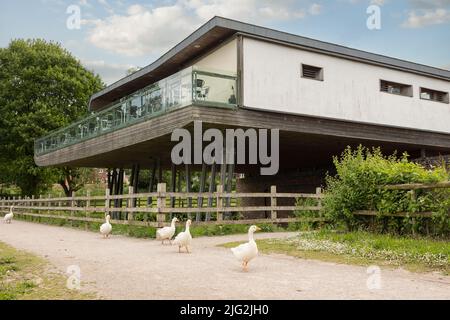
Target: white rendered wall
<point x="222" y="59"/>
<point x="350" y="90"/>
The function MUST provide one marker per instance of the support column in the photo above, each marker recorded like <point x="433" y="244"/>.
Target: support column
<point x="151" y="182"/>
<point x="201" y="190"/>
<point x="160" y="175"/>
<point x="120" y="191"/>
<point x="188" y="186"/>
<point x="115" y="191"/>
<point x="173" y="184"/>
<point x="229" y="186"/>
<point x="180" y="176"/>
<point x="212" y="186"/>
<point x="135" y="183"/>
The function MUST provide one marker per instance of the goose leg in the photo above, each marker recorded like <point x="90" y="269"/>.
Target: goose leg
<point x="179" y="249"/>
<point x="187" y="249"/>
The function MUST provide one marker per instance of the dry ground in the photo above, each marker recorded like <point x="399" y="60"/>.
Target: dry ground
<point x="129" y="268"/>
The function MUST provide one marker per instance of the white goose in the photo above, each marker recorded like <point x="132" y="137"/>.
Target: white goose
<point x="184" y="239"/>
<point x="247" y="251"/>
<point x="166" y="233"/>
<point x="9" y="216"/>
<point x="106" y="228"/>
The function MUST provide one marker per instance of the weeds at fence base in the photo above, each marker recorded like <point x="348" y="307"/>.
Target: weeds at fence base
<point x="150" y="232"/>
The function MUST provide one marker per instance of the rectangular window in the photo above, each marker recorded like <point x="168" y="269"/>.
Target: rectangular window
<point x="396" y="88"/>
<point x="434" y="95"/>
<point x="311" y="72"/>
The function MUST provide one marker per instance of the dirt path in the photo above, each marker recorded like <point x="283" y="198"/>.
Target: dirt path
<point x="128" y="268"/>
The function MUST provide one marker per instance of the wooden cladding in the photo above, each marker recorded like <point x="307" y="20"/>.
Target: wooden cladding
<point x="396" y="88"/>
<point x="434" y="95"/>
<point x="311" y="72"/>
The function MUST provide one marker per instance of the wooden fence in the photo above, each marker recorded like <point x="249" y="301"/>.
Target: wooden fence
<point x="155" y="209"/>
<point x="412" y="188"/>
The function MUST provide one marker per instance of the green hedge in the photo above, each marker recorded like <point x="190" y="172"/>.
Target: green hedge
<point x="360" y="173"/>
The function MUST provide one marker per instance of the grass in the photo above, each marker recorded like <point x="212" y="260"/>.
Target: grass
<point x="362" y="248"/>
<point x="24" y="276"/>
<point x="150" y="232"/>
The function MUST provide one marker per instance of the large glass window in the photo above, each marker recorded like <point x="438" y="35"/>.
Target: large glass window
<point x="181" y="89"/>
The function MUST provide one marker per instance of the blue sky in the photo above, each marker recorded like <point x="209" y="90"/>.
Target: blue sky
<point x="115" y="35"/>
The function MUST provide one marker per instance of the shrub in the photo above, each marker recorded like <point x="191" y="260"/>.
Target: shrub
<point x="356" y="186"/>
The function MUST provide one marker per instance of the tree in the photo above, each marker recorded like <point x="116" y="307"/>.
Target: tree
<point x="132" y="70"/>
<point x="73" y="179"/>
<point x="42" y="88"/>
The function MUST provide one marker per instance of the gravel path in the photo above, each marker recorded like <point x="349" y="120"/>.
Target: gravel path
<point x="128" y="268"/>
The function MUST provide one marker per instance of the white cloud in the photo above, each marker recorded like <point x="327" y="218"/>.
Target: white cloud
<point x="247" y="10"/>
<point x="315" y="9"/>
<point x="429" y="4"/>
<point x="84" y="3"/>
<point x="109" y="72"/>
<point x="426" y="17"/>
<point x="427" y="12"/>
<point x="143" y="30"/>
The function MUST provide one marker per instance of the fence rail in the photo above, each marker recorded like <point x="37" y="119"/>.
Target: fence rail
<point x="125" y="209"/>
<point x="418" y="186"/>
<point x="412" y="188"/>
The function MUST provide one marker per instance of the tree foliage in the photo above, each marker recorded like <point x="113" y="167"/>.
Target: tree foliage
<point x="42" y="88"/>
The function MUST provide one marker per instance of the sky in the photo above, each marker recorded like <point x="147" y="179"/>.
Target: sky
<point x="112" y="36"/>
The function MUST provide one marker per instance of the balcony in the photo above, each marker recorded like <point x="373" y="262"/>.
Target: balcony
<point x="187" y="87"/>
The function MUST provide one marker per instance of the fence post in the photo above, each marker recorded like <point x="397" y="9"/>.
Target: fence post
<point x="88" y="206"/>
<point x="273" y="202"/>
<point x="161" y="215"/>
<point x="107" y="202"/>
<point x="33" y="204"/>
<point x="40" y="205"/>
<point x="48" y="203"/>
<point x="413" y="220"/>
<point x="72" y="207"/>
<point x="319" y="203"/>
<point x="319" y="194"/>
<point x="131" y="203"/>
<point x="19" y="203"/>
<point x="219" y="202"/>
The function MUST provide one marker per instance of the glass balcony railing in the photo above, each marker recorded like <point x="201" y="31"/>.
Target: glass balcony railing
<point x="187" y="87"/>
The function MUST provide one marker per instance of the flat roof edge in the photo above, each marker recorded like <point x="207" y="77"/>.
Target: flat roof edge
<point x="271" y="34"/>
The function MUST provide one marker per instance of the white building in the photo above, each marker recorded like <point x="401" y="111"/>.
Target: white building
<point x="321" y="96"/>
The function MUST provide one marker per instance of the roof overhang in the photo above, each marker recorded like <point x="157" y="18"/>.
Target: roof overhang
<point x="300" y="137"/>
<point x="218" y="30"/>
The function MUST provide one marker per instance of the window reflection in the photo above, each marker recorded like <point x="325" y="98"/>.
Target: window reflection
<point x="181" y="89"/>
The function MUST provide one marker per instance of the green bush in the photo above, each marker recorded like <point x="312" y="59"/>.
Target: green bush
<point x="356" y="186"/>
<point x="306" y="216"/>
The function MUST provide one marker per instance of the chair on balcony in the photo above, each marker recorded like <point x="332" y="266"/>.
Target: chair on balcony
<point x="201" y="92"/>
<point x="106" y="124"/>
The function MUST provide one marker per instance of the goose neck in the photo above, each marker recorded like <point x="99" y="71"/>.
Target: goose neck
<point x="250" y="235"/>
